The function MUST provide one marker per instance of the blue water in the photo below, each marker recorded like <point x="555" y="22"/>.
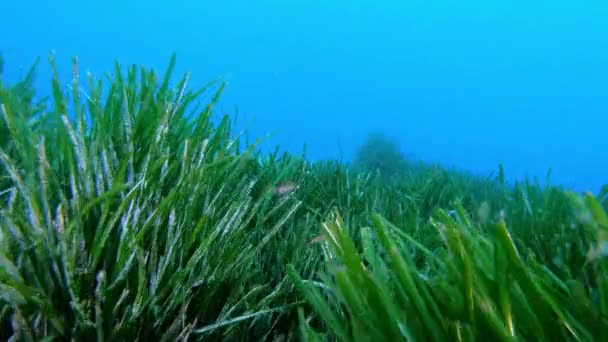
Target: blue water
<point x="466" y="83"/>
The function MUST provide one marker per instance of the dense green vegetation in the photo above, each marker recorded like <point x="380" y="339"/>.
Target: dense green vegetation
<point x="127" y="213"/>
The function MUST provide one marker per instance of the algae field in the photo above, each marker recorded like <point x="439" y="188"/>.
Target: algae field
<point x="132" y="216"/>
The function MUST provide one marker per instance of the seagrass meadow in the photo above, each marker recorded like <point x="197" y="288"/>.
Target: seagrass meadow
<point x="128" y="214"/>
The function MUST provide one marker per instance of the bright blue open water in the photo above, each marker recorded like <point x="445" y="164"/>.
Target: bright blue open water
<point x="466" y="83"/>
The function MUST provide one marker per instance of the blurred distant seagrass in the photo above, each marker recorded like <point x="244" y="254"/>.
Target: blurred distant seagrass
<point x="127" y="214"/>
<point x="380" y="153"/>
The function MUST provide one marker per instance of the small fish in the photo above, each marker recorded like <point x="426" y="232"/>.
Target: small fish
<point x="483" y="212"/>
<point x="317" y="239"/>
<point x="285" y="188"/>
<point x="598" y="252"/>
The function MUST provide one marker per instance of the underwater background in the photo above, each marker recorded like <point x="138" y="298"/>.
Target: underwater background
<point x="469" y="84"/>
